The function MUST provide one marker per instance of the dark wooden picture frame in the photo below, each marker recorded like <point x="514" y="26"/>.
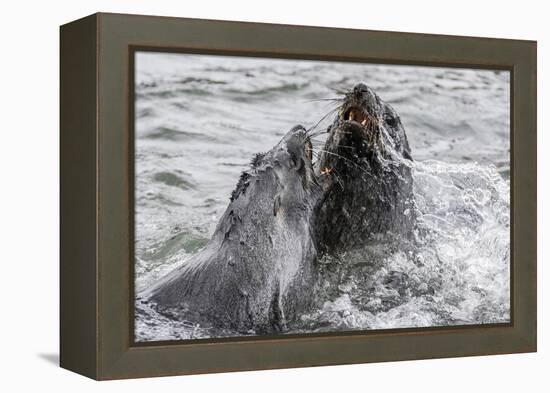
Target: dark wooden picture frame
<point x="97" y="196"/>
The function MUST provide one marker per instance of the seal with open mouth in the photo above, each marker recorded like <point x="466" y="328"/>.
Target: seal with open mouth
<point x="365" y="169"/>
<point x="257" y="272"/>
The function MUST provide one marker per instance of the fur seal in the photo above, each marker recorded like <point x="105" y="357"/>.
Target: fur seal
<point x="365" y="170"/>
<point x="257" y="271"/>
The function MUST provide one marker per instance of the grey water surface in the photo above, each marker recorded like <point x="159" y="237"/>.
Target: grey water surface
<point x="199" y="119"/>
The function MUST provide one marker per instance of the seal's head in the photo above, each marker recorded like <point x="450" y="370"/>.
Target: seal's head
<point x="370" y="125"/>
<point x="364" y="168"/>
<point x="283" y="176"/>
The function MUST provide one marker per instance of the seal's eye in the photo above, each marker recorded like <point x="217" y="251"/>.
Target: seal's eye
<point x="390" y="119"/>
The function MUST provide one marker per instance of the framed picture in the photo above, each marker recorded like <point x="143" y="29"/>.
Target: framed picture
<point x="241" y="196"/>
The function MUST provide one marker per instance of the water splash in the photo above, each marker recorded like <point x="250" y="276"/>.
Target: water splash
<point x="455" y="273"/>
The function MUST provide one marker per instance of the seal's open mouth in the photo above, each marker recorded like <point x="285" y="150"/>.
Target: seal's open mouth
<point x="355" y="114"/>
<point x="360" y="123"/>
<point x="358" y="116"/>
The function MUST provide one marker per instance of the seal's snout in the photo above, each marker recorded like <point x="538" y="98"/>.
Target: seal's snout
<point x="296" y="135"/>
<point x="360" y="88"/>
<point x="298" y="143"/>
<point x="362" y="92"/>
<point x="360" y="108"/>
<point x="298" y="129"/>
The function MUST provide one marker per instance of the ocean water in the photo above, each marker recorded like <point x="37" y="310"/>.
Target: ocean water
<point x="199" y="119"/>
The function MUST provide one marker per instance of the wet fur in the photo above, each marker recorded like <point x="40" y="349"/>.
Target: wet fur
<point x="366" y="175"/>
<point x="256" y="273"/>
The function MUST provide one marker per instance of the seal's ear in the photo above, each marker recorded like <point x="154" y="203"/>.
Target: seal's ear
<point x="276" y="205"/>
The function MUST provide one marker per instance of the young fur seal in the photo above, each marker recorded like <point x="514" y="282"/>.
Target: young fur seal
<point x="365" y="170"/>
<point x="257" y="272"/>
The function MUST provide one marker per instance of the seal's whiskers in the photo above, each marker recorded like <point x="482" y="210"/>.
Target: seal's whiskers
<point x="335" y="99"/>
<point x="347" y="160"/>
<point x="321" y="120"/>
<point x="330" y="170"/>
